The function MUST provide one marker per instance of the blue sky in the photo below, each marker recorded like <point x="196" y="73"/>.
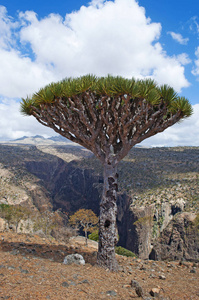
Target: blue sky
<point x="45" y="41"/>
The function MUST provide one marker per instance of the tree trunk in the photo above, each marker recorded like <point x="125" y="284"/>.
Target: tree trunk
<point x="107" y="220"/>
<point x="86" y="237"/>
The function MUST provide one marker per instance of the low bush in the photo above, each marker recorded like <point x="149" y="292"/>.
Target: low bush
<point x="125" y="252"/>
<point x="94" y="236"/>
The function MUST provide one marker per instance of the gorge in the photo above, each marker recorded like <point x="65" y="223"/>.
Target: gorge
<point x="157" y="200"/>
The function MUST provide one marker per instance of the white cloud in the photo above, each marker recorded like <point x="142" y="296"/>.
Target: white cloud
<point x="194" y="24"/>
<point x="183" y="59"/>
<point x="13" y="125"/>
<point x="179" y="38"/>
<point x="6" y="27"/>
<point x="20" y="76"/>
<point x="196" y="69"/>
<point x="120" y="41"/>
<point x="184" y="133"/>
<point x="105" y="37"/>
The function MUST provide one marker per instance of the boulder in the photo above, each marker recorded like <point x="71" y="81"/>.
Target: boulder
<point x="74" y="259"/>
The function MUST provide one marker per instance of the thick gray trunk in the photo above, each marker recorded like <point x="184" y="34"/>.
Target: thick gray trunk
<point x="107" y="220"/>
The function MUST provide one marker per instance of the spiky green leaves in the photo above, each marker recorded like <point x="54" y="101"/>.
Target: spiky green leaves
<point x="182" y="104"/>
<point x="26" y="106"/>
<point x="111" y="86"/>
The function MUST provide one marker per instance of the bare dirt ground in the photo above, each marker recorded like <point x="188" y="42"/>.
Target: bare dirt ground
<point x="32" y="267"/>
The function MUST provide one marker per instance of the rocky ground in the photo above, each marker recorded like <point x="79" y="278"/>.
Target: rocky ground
<point x="32" y="267"/>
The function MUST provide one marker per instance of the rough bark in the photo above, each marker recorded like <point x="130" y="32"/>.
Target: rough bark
<point x="107" y="220"/>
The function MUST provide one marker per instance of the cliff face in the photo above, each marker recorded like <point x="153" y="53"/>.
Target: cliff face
<point x="179" y="240"/>
<point x="70" y="188"/>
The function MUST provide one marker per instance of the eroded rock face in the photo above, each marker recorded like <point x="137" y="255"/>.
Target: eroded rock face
<point x="139" y="230"/>
<point x="70" y="187"/>
<point x="179" y="240"/>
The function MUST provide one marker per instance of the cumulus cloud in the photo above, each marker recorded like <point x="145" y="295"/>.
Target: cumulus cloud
<point x="178" y="38"/>
<point x="19" y="76"/>
<point x="121" y="40"/>
<point x="7" y="25"/>
<point x="13" y="125"/>
<point x="106" y="37"/>
<point x="183" y="58"/>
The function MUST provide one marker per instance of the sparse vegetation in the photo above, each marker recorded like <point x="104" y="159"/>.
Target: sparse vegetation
<point x="125" y="252"/>
<point x="94" y="236"/>
<point x="13" y="215"/>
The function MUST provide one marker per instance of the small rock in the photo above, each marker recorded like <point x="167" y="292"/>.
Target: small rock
<point x="139" y="291"/>
<point x="162" y="276"/>
<point x="65" y="284"/>
<point x="142" y="268"/>
<point x="154" y="292"/>
<point x="138" y="288"/>
<point x="11" y="268"/>
<point x="74" y="259"/>
<point x="84" y="281"/>
<point x="193" y="271"/>
<point x="134" y="283"/>
<point x="14" y="252"/>
<point x="72" y="282"/>
<point x="111" y="293"/>
<point x="24" y="271"/>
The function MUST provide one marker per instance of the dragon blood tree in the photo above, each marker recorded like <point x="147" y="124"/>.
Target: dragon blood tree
<point x="108" y="116"/>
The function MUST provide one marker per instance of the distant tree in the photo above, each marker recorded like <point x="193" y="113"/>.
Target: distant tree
<point x="45" y="222"/>
<point x="19" y="213"/>
<point x="13" y="214"/>
<point x="86" y="219"/>
<point x="108" y="116"/>
<point x="6" y="212"/>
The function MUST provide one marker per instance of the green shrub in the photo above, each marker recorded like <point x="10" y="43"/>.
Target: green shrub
<point x="94" y="236"/>
<point x="125" y="252"/>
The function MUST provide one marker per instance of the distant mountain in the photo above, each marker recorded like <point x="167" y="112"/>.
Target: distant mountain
<point x="40" y="140"/>
<point x="58" y="138"/>
<point x="22" y="138"/>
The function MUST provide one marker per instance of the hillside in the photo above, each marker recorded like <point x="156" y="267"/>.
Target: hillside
<point x="151" y="175"/>
<point x="147" y="175"/>
<point x="32" y="268"/>
<point x="155" y="185"/>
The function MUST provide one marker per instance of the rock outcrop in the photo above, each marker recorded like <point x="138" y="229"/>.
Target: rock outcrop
<point x="179" y="240"/>
<point x="139" y="230"/>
